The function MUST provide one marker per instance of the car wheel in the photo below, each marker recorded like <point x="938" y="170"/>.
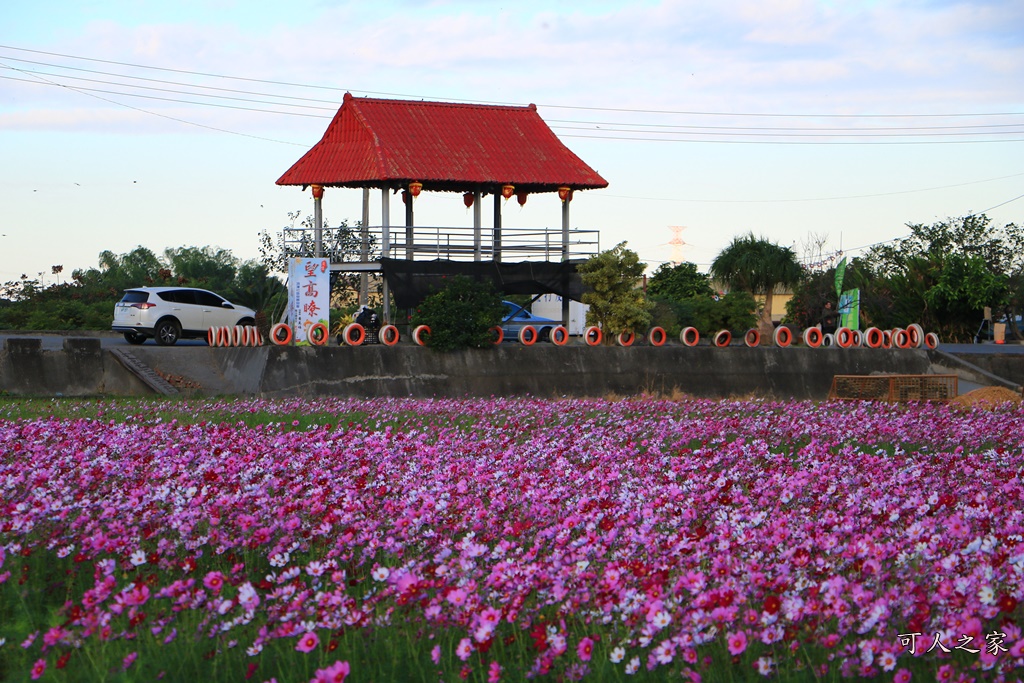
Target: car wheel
<point x="544" y="334"/>
<point x="167" y="332"/>
<point x="134" y="338"/>
<point x="247" y="322"/>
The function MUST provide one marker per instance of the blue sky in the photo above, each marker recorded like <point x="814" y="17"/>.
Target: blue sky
<point x="830" y="123"/>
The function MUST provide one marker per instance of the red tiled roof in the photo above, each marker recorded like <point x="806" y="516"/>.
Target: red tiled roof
<point x="446" y="146"/>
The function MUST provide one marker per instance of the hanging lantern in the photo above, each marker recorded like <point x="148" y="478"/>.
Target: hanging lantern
<point x="564" y="192"/>
<point x="467" y="199"/>
<point x="415" y="187"/>
<point x="507" y="191"/>
<point x="521" y="198"/>
<point x="318" y="191"/>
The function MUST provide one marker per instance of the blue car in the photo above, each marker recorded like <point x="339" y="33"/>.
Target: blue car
<point x="517" y="317"/>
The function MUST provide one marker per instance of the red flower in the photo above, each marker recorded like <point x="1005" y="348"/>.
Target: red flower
<point x="772" y="604"/>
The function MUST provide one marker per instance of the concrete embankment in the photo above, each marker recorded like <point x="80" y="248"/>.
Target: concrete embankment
<point x="82" y="367"/>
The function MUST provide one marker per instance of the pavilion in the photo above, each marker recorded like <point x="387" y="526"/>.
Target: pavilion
<point x="474" y="150"/>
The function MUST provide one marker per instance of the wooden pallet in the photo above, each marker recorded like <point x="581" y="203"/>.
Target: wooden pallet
<point x="896" y="388"/>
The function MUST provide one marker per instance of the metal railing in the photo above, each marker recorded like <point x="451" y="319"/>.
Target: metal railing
<point x="455" y="243"/>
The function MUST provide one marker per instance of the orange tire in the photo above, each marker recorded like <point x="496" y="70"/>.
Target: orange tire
<point x="813" y="337"/>
<point x="625" y="338"/>
<point x="388" y="335"/>
<point x="916" y="333"/>
<point x="858" y="338"/>
<point x="593" y="335"/>
<point x="886" y="339"/>
<point x="931" y="340"/>
<point x="657" y="336"/>
<point x="211" y="337"/>
<point x="224" y="336"/>
<point x="499" y="334"/>
<point x="528" y="335"/>
<point x="318" y="334"/>
<point x="844" y="337"/>
<point x="901" y="339"/>
<point x="873" y="337"/>
<point x="354" y="334"/>
<point x="752" y="338"/>
<point x="723" y="338"/>
<point x="559" y="335"/>
<point x="420" y="334"/>
<point x="783" y="336"/>
<point x="689" y="336"/>
<point x="281" y="334"/>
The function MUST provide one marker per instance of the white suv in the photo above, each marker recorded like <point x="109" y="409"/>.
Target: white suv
<point x="168" y="314"/>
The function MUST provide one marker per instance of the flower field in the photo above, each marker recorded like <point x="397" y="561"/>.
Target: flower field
<point x="506" y="539"/>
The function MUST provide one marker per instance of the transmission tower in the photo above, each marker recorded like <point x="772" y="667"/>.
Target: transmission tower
<point x="677" y="243"/>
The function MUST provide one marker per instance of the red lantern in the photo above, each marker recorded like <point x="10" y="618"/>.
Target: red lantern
<point x="415" y="187"/>
<point x="318" y="191"/>
<point x="507" y="191"/>
<point x="467" y="199"/>
<point x="521" y="198"/>
<point x="564" y="192"/>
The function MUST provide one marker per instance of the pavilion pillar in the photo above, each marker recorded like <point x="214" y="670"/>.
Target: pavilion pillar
<point x="364" y="249"/>
<point x="318" y="220"/>
<point x="497" y="227"/>
<point x="407" y="198"/>
<point x="477" y="225"/>
<point x="385" y="247"/>
<point x="565" y="257"/>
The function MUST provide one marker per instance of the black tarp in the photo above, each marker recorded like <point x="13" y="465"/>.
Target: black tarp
<point x="412" y="281"/>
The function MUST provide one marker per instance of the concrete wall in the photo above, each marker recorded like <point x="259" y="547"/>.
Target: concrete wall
<point x="81" y="367"/>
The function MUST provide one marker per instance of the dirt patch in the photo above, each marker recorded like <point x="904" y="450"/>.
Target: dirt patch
<point x="987" y="398"/>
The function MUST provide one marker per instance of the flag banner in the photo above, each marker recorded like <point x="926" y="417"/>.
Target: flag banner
<point x="309" y="295"/>
<point x="849" y="309"/>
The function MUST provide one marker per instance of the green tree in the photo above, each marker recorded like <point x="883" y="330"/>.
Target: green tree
<point x="756" y="265"/>
<point x="204" y="267"/>
<point x="616" y="301"/>
<point x="461" y="315"/>
<point x="675" y="283"/>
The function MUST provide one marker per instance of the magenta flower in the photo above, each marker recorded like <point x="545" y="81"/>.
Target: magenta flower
<point x="335" y="673"/>
<point x="737" y="642"/>
<point x="308" y="642"/>
<point x="585" y="649"/>
<point x="38" y="669"/>
<point x="902" y="676"/>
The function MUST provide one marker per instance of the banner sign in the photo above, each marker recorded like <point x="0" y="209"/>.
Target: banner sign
<point x="849" y="309"/>
<point x="309" y="295"/>
<point x="840" y="274"/>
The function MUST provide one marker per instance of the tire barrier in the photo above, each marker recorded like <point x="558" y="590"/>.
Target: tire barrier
<point x="281" y="334"/>
<point x="901" y="339"/>
<point x="931" y="340"/>
<point x="916" y="333"/>
<point x="559" y="335"/>
<point x="873" y="337"/>
<point x="828" y="339"/>
<point x="224" y="336"/>
<point x="354" y="334"/>
<point x="723" y="338"/>
<point x="593" y="336"/>
<point x="499" y="334"/>
<point x="657" y="336"/>
<point x="752" y="338"/>
<point x="625" y="338"/>
<point x="420" y="334"/>
<point x="844" y="337"/>
<point x="813" y="337"/>
<point x="783" y="336"/>
<point x="388" y="335"/>
<point x="317" y="334"/>
<point x="528" y="335"/>
<point x="689" y="336"/>
<point x="858" y="338"/>
<point x="211" y="337"/>
<point x="886" y="339"/>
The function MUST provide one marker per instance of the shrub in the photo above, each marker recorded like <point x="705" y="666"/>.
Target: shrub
<point x="460" y="315"/>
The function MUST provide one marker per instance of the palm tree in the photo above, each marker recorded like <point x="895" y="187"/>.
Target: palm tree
<point x="753" y="264"/>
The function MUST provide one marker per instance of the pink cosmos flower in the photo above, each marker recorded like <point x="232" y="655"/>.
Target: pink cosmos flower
<point x="585" y="649"/>
<point x="38" y="669"/>
<point x="335" y="673"/>
<point x="945" y="673"/>
<point x="494" y="673"/>
<point x="435" y="654"/>
<point x="214" y="581"/>
<point x="464" y="649"/>
<point x="129" y="660"/>
<point x="308" y="642"/>
<point x="737" y="642"/>
<point x="902" y="676"/>
<point x="457" y="597"/>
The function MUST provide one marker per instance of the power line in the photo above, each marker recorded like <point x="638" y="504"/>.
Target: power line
<point x="551" y="106"/>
